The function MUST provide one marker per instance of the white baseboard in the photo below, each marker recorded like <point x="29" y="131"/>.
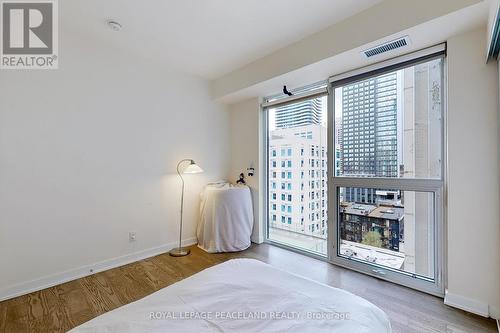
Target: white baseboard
<point x="467" y="304"/>
<point x="52" y="280"/>
<point x="257" y="239"/>
<point x="495" y="313"/>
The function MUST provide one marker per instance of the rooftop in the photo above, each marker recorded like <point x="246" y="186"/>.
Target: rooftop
<point x="389" y="212"/>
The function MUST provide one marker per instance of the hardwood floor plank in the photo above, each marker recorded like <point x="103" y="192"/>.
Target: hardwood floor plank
<point x="155" y="276"/>
<point x="68" y="305"/>
<point x="130" y="283"/>
<point x="75" y="306"/>
<point x="3" y="316"/>
<point x="16" y="315"/>
<point x="101" y="295"/>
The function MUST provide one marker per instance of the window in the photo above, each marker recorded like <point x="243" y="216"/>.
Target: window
<point x="380" y="150"/>
<point x="387" y="152"/>
<point x="388" y="172"/>
<point x="382" y="226"/>
<point x="298" y="128"/>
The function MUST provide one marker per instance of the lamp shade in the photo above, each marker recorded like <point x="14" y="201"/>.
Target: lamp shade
<point x="192" y="168"/>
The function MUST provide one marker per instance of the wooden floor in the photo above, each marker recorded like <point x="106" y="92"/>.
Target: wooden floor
<point x="65" y="306"/>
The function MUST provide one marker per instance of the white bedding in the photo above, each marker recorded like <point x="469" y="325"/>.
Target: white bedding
<point x="244" y="295"/>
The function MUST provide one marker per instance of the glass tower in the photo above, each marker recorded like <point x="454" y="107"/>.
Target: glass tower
<point x="369" y="132"/>
<point x="302" y="113"/>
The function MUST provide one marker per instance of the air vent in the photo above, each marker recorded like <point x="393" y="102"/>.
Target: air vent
<point x="386" y="47"/>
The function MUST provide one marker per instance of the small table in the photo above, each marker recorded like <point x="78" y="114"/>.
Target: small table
<point x="226" y="219"/>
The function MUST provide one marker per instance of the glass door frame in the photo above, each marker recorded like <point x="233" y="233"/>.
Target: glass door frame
<point x="435" y="186"/>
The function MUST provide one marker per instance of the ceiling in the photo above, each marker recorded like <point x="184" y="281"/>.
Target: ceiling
<point x="422" y="36"/>
<point x="206" y="38"/>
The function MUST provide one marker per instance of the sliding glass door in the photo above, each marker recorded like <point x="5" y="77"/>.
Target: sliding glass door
<point x="297" y="173"/>
<point x="388" y="141"/>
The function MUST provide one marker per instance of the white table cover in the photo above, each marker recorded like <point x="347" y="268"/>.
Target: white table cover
<point x="226" y="219"/>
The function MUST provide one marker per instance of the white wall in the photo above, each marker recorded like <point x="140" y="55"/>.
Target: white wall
<point x="473" y="178"/>
<point x="88" y="153"/>
<point x="244" y="134"/>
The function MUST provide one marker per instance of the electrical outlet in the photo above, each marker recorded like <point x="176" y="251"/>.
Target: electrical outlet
<point x="131" y="236"/>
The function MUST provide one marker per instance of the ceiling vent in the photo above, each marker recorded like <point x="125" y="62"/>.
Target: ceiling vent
<point x="386" y="47"/>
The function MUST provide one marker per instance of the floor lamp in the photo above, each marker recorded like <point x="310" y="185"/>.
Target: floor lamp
<point x="191" y="168"/>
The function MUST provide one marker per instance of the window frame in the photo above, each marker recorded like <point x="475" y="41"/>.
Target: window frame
<point x="436" y="186"/>
<point x="321" y="90"/>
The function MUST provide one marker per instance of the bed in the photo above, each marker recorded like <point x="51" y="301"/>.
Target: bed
<point x="244" y="295"/>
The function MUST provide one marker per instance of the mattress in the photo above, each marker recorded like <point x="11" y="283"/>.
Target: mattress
<point x="244" y="295"/>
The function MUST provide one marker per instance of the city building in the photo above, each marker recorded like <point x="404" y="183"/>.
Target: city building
<point x="298" y="180"/>
<point x="369" y="132"/>
<point x="302" y="113"/>
<point x="338" y="145"/>
<point x="297" y="169"/>
<point x="357" y="220"/>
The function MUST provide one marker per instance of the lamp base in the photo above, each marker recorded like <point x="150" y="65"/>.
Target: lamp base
<point x="179" y="252"/>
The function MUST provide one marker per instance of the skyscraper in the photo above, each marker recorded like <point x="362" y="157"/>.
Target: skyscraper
<point x="302" y="113"/>
<point x="338" y="144"/>
<point x="369" y="142"/>
<point x="297" y="169"/>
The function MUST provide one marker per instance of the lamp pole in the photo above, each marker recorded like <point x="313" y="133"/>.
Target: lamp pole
<point x="179" y="251"/>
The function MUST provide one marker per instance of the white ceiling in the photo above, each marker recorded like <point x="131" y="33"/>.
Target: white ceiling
<point x="424" y="35"/>
<point x="206" y="38"/>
